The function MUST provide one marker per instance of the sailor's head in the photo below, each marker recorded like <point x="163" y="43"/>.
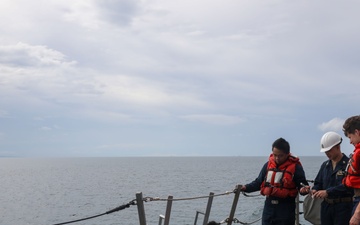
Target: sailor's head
<point x="280" y="150"/>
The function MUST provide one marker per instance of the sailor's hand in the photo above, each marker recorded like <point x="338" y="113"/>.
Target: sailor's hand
<point x="355" y="220"/>
<point x="305" y="190"/>
<point x="241" y="187"/>
<point x="320" y="194"/>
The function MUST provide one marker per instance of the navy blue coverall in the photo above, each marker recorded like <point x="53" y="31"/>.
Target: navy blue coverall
<point x="278" y="211"/>
<point x="336" y="208"/>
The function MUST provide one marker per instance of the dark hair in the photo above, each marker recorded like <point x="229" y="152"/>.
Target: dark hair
<point x="351" y="124"/>
<point x="212" y="223"/>
<point x="282" y="145"/>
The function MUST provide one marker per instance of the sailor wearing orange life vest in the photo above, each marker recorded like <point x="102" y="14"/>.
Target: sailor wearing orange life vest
<point x="280" y="180"/>
<point x="351" y="130"/>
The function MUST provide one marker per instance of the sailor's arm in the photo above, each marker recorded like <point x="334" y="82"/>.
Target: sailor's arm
<point x="355" y="219"/>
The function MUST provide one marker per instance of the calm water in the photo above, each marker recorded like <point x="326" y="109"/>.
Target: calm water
<point x="49" y="191"/>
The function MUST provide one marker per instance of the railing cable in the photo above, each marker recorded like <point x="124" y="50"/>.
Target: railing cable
<point x="133" y="202"/>
<point x="149" y="199"/>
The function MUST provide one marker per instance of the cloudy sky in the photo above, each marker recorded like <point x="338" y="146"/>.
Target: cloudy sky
<point x="175" y="78"/>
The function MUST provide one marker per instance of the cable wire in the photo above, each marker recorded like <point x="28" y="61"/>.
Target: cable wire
<point x="133" y="202"/>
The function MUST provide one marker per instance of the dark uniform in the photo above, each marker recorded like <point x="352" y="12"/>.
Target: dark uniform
<point x="336" y="208"/>
<point x="278" y="211"/>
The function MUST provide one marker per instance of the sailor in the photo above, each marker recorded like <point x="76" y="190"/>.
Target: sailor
<point x="280" y="180"/>
<point x="351" y="130"/>
<point x="337" y="204"/>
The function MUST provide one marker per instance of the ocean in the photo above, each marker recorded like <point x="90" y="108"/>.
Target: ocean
<point x="46" y="191"/>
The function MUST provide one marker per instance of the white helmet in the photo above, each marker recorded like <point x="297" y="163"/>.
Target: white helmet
<point x="329" y="140"/>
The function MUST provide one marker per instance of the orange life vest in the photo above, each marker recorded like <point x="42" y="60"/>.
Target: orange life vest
<point x="352" y="176"/>
<point x="279" y="179"/>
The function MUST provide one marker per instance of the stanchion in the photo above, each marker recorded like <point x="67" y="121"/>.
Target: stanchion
<point x="233" y="208"/>
<point x="168" y="210"/>
<point x="208" y="208"/>
<point x="141" y="209"/>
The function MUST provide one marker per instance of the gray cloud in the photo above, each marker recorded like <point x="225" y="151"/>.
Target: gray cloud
<point x="118" y="12"/>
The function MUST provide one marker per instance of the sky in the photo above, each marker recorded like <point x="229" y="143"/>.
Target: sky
<point x="106" y="78"/>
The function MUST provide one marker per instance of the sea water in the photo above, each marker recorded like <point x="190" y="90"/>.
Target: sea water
<point x="39" y="191"/>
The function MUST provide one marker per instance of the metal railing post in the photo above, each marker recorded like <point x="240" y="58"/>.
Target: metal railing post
<point x="161" y="218"/>
<point x="141" y="209"/>
<point x="233" y="208"/>
<point x="208" y="208"/>
<point x="168" y="210"/>
<point x="197" y="216"/>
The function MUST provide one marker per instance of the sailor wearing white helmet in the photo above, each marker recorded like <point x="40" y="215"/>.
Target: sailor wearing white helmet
<point x="337" y="205"/>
